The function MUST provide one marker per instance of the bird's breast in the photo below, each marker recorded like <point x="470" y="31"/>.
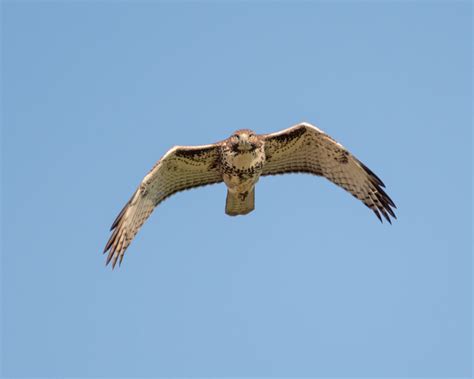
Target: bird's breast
<point x="241" y="170"/>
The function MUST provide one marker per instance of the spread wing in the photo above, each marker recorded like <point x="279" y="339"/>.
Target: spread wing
<point x="181" y="168"/>
<point x="305" y="148"/>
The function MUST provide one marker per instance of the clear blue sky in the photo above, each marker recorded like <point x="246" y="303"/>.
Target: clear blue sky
<point x="310" y="284"/>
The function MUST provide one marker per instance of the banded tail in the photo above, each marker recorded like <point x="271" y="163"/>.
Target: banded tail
<point x="240" y="203"/>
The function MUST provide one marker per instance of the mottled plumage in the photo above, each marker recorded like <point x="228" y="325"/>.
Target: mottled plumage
<point x="239" y="161"/>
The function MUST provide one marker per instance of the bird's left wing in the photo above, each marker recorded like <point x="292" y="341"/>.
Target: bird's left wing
<point x="181" y="168"/>
<point x="305" y="148"/>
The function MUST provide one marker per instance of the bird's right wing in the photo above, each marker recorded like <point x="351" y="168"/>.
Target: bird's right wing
<point x="181" y="168"/>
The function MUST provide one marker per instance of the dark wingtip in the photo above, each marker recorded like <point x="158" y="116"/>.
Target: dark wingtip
<point x="386" y="212"/>
<point x="372" y="174"/>
<point x="378" y="215"/>
<point x="389" y="210"/>
<point x="384" y="203"/>
<point x="109" y="257"/>
<point x="124" y="209"/>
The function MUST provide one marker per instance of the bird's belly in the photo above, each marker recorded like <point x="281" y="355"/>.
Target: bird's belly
<point x="242" y="171"/>
<point x="240" y="182"/>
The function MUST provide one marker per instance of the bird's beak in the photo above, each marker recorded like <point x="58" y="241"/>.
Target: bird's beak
<point x="244" y="143"/>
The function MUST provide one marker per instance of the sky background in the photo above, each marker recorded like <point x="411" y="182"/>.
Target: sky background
<point x="310" y="284"/>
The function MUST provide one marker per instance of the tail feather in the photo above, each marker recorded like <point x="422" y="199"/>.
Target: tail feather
<point x="240" y="203"/>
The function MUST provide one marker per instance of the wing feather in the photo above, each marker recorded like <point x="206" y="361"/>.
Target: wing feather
<point x="305" y="148"/>
<point x="181" y="168"/>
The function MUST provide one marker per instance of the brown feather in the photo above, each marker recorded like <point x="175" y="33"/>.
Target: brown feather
<point x="180" y="169"/>
<point x="305" y="148"/>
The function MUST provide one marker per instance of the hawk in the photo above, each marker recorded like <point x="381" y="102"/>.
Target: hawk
<point x="239" y="161"/>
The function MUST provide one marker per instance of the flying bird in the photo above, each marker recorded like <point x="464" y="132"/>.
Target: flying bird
<point x="239" y="161"/>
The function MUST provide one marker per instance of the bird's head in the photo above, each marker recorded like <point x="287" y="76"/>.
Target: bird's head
<point x="244" y="140"/>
